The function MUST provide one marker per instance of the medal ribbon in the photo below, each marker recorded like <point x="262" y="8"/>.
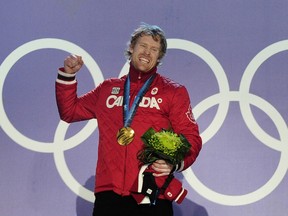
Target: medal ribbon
<point x="129" y="113"/>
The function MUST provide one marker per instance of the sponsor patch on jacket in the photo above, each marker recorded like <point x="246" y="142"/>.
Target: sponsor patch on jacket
<point x="115" y="90"/>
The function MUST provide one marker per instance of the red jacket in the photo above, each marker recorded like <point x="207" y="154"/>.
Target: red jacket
<point x="166" y="104"/>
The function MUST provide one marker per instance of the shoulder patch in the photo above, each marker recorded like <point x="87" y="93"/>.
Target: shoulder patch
<point x="190" y="115"/>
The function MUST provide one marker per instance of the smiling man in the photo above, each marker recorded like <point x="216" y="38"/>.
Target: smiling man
<point x="125" y="109"/>
<point x="145" y="54"/>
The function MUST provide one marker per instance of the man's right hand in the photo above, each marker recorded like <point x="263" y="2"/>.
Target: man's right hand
<point x="72" y="64"/>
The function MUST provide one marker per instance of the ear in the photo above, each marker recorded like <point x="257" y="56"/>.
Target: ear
<point x="131" y="49"/>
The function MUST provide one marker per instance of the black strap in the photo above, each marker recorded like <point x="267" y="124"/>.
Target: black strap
<point x="166" y="183"/>
<point x="150" y="187"/>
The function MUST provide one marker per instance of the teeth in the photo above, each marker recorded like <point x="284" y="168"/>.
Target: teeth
<point x="144" y="60"/>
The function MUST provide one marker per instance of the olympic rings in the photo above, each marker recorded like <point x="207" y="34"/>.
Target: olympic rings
<point x="222" y="98"/>
<point x="7" y="64"/>
<point x="59" y="145"/>
<point x="245" y="99"/>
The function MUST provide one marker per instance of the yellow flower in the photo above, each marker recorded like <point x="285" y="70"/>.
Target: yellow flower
<point x="165" y="145"/>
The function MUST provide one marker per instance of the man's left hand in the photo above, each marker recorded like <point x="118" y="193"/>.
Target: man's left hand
<point x="162" y="168"/>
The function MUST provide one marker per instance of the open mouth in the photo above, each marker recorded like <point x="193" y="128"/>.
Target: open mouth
<point x="144" y="60"/>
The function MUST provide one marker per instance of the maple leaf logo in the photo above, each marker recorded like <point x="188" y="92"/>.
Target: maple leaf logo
<point x="190" y="115"/>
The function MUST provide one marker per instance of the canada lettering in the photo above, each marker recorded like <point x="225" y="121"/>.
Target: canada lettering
<point x="146" y="102"/>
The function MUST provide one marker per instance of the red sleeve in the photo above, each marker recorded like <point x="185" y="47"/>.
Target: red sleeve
<point x="183" y="122"/>
<point x="72" y="108"/>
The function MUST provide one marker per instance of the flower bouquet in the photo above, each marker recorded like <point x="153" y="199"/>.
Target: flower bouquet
<point x="170" y="147"/>
<point x="165" y="145"/>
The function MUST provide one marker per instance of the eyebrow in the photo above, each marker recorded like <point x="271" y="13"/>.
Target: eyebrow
<point x="153" y="47"/>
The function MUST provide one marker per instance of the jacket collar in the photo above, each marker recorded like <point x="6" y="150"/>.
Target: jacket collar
<point x="136" y="75"/>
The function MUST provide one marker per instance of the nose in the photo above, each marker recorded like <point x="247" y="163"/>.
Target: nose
<point x="147" y="51"/>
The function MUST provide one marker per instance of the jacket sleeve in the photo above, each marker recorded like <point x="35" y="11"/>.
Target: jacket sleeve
<point x="183" y="122"/>
<point x="71" y="107"/>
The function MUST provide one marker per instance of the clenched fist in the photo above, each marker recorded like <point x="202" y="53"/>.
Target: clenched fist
<point x="72" y="64"/>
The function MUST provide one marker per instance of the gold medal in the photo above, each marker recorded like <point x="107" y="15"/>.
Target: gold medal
<point x="125" y="136"/>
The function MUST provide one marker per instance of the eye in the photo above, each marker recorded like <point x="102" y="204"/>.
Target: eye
<point x="155" y="50"/>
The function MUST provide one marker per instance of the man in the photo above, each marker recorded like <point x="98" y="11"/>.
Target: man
<point x="125" y="109"/>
